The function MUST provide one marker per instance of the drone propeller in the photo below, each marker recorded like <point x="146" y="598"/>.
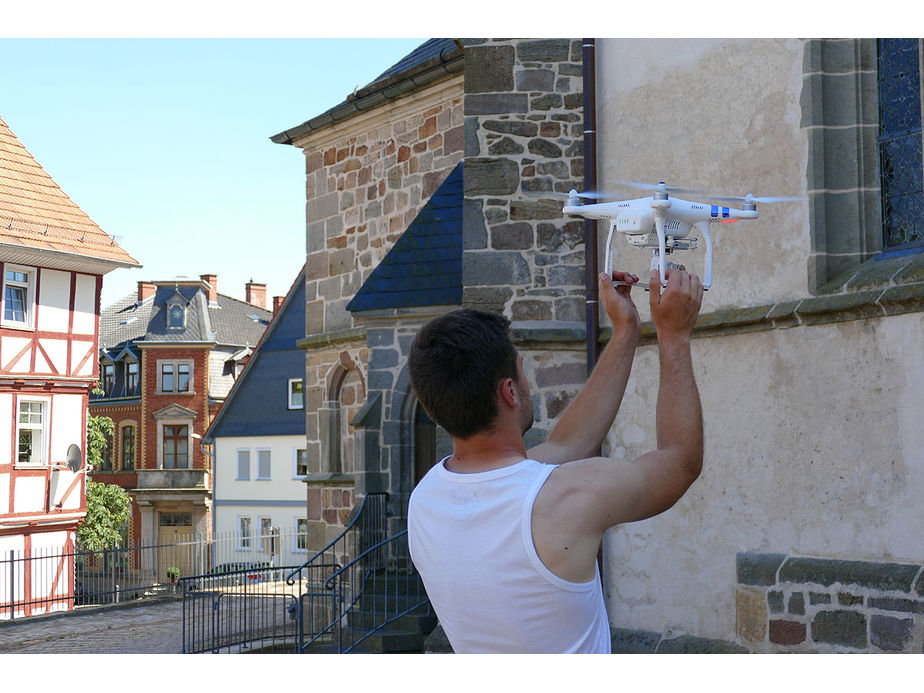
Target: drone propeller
<point x="587" y="194"/>
<point x="657" y="187"/>
<point x="751" y="199"/>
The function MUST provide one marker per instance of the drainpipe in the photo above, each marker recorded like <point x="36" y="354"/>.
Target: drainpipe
<point x="590" y="226"/>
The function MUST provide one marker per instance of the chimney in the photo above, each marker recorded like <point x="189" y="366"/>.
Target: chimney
<point x="145" y="290"/>
<point x="255" y="294"/>
<point x="212" y="281"/>
<point x="277" y="303"/>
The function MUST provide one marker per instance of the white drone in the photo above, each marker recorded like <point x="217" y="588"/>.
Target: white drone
<point x="663" y="223"/>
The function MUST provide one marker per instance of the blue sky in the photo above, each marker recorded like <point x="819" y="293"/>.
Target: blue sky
<point x="165" y="143"/>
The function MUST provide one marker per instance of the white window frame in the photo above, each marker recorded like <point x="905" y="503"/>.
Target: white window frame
<point x="292" y="381"/>
<point x="296" y="521"/>
<point x="29" y="298"/>
<point x="295" y="474"/>
<point x="42" y="427"/>
<point x="237" y="467"/>
<point x="244" y="539"/>
<point x="259" y="472"/>
<point x="265" y="534"/>
<point x="175" y="364"/>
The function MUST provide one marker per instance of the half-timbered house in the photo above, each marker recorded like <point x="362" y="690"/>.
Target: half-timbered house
<point x="52" y="261"/>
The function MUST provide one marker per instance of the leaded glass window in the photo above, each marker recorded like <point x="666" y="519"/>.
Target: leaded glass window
<point x="900" y="150"/>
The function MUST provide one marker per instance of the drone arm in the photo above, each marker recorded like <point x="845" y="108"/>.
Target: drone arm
<point x="608" y="260"/>
<point x="662" y="250"/>
<point x="704" y="229"/>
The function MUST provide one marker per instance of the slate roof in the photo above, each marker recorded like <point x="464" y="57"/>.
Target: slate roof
<point x="36" y="214"/>
<point x="424" y="268"/>
<point x="257" y="404"/>
<point x="232" y="322"/>
<point x="430" y="62"/>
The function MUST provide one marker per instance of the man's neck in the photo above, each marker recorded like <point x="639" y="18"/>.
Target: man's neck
<point x="482" y="453"/>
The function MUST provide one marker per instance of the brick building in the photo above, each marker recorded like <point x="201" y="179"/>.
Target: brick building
<point x="169" y="355"/>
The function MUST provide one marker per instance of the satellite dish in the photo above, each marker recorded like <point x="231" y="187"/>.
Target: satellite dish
<point x="74" y="458"/>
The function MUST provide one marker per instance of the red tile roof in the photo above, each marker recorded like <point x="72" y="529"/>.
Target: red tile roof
<point x="35" y="212"/>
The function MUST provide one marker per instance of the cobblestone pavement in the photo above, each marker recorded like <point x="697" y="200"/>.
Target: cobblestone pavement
<point x="148" y="629"/>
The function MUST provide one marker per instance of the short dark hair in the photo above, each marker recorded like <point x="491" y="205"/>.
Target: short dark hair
<point x="455" y="363"/>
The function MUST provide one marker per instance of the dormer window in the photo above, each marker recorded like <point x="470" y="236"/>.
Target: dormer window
<point x="176" y="312"/>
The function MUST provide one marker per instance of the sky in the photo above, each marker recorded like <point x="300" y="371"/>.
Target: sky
<point x="165" y="143"/>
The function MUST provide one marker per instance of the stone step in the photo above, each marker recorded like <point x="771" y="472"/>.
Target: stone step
<point x="418" y="621"/>
<point x="390" y="583"/>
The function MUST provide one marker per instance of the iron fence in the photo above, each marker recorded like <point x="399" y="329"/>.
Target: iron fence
<point x="44" y="580"/>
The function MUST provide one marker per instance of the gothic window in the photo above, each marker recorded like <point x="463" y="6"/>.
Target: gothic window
<point x="900" y="151"/>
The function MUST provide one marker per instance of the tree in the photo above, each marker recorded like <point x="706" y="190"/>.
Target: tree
<point x="108" y="505"/>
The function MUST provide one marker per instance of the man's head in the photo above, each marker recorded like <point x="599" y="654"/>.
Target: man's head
<point x="456" y="363"/>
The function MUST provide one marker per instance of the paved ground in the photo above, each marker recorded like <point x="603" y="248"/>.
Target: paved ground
<point x="148" y="629"/>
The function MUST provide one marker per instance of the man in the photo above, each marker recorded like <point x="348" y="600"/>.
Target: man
<point x="506" y="539"/>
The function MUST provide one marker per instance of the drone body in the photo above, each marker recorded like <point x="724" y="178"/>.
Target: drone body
<point x="662" y="223"/>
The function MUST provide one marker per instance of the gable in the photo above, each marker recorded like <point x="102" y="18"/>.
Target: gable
<point x="258" y="403"/>
<point x="36" y="215"/>
<point x="424" y="268"/>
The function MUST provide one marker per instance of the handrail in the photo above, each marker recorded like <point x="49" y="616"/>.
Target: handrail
<point x="291" y="578"/>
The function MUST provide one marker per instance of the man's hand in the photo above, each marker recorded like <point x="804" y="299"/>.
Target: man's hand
<point x="674" y="312"/>
<point x="618" y="303"/>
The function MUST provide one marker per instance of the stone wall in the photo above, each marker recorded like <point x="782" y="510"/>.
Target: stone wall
<point x="803" y="604"/>
<point x="524" y="146"/>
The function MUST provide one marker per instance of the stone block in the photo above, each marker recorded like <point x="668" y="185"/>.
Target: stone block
<point x="750" y="614"/>
<point x="496" y="104"/>
<point x="504" y="146"/>
<point x="543" y="51"/>
<point x="489" y="68"/>
<point x="758" y="568"/>
<point x="689" y="644"/>
<point x="543" y="147"/>
<point x="847" y="628"/>
<point x="878" y="576"/>
<point x="891" y="634"/>
<point x="910" y="606"/>
<point x="627" y="641"/>
<point x="797" y="604"/>
<point x="535" y="80"/>
<point x="486" y="298"/>
<point x="787" y="632"/>
<point x="519" y="128"/>
<point x="816" y="598"/>
<point x="494" y="268"/>
<point x="490" y="177"/>
<point x="561" y="374"/>
<point x="531" y="310"/>
<point x="516" y="236"/>
<point x="847" y="599"/>
<point x="535" y="209"/>
<point x="775" y="601"/>
<point x="474" y="232"/>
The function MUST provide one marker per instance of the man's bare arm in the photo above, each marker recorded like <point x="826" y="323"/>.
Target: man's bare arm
<point x="582" y="499"/>
<point x="583" y="425"/>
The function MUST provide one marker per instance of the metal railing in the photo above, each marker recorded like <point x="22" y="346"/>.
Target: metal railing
<point x="45" y="580"/>
<point x="279" y="609"/>
<point x="375" y="589"/>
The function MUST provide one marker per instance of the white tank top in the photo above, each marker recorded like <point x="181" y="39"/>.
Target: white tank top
<point x="470" y="538"/>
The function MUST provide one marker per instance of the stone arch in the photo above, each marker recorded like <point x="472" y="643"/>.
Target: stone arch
<point x="344" y="395"/>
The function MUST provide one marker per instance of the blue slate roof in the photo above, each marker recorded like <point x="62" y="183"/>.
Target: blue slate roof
<point x="424" y="268"/>
<point x="258" y="403"/>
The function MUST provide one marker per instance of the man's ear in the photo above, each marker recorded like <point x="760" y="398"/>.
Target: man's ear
<point x="509" y="392"/>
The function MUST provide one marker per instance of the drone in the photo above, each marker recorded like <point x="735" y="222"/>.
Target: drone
<point x="663" y="223"/>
